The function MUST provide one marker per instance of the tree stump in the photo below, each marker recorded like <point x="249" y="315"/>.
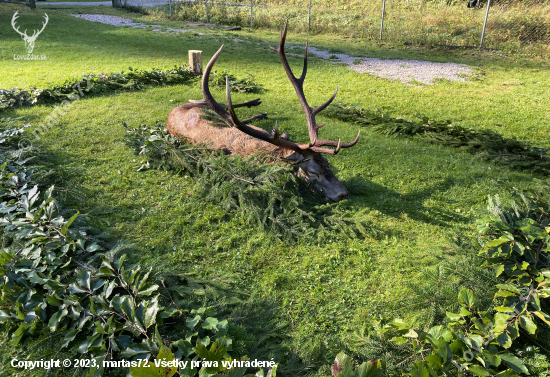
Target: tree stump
<point x="195" y="61"/>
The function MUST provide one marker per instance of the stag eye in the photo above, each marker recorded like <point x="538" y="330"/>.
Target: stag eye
<point x="313" y="170"/>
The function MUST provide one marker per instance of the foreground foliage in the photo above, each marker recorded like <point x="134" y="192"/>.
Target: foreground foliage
<point x="60" y="278"/>
<point x="92" y="84"/>
<point x="502" y="335"/>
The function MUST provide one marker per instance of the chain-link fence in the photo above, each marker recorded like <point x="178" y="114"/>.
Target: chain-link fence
<point x="510" y="24"/>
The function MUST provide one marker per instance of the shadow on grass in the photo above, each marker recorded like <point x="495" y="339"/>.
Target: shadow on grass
<point x="395" y="204"/>
<point x="486" y="144"/>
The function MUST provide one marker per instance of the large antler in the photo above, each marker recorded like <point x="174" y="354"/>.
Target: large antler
<point x="298" y="84"/>
<point x="228" y="113"/>
<point x="13" y="19"/>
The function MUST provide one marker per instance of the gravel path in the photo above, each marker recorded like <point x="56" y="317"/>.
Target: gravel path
<point x="121" y="21"/>
<point x="407" y="71"/>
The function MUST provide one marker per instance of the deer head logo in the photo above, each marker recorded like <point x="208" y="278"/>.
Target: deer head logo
<point x="29" y="41"/>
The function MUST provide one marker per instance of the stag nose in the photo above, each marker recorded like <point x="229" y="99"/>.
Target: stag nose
<point x="336" y="194"/>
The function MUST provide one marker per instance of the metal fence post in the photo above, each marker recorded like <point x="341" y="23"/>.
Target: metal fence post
<point x="171" y="8"/>
<point x="383" y="12"/>
<point x="309" y="16"/>
<point x="206" y="4"/>
<point x="485" y="23"/>
<point x="251" y="12"/>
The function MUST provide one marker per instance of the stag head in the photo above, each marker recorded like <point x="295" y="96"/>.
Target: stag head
<point x="29" y="41"/>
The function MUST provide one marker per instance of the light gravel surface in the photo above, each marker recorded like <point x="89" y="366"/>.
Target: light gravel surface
<point x="407" y="71"/>
<point x="121" y="21"/>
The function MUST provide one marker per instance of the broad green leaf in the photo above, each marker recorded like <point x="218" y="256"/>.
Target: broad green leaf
<point x="499" y="269"/>
<point x="420" y="370"/>
<point x="105" y="272"/>
<point x="491" y="359"/>
<point x="504" y="309"/>
<point x="127" y="306"/>
<point x="477" y="370"/>
<point x="527" y="323"/>
<point x="210" y="323"/>
<point x="151" y="313"/>
<point x="535" y="301"/>
<point x="136" y="349"/>
<point x="83" y="279"/>
<point x="508" y="287"/>
<point x="149" y="369"/>
<point x="543" y="316"/>
<point x="453" y="317"/>
<point x="4" y="316"/>
<point x="192" y="322"/>
<point x="68" y="224"/>
<point x="513" y="362"/>
<point x="56" y="318"/>
<point x="372" y="368"/>
<point x="215" y="353"/>
<point x="76" y="289"/>
<point x="531" y="230"/>
<point x="504" y="340"/>
<point x="507" y="373"/>
<point x="85" y="345"/>
<point x="441" y="332"/>
<point x="466" y="297"/>
<point x="496" y="242"/>
<point x="147" y="289"/>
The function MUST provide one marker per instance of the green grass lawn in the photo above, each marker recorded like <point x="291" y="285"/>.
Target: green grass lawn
<point x="421" y="198"/>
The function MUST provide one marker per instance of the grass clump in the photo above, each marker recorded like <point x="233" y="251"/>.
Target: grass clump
<point x="512" y="26"/>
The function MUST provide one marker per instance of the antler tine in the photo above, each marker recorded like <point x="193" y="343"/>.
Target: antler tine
<point x="332" y="143"/>
<point x="258" y="133"/>
<point x="206" y="95"/>
<point x="317" y="110"/>
<point x="298" y="84"/>
<point x="236" y="122"/>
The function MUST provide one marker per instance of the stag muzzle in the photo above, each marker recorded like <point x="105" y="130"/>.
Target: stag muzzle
<point x="316" y="170"/>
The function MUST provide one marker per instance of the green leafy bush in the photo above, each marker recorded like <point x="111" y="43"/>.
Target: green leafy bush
<point x="505" y="334"/>
<point x="244" y="85"/>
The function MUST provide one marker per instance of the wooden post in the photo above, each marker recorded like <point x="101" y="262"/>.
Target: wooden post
<point x="32" y="4"/>
<point x="195" y="61"/>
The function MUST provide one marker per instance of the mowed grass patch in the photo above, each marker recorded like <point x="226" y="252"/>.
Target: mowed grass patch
<point x="421" y="199"/>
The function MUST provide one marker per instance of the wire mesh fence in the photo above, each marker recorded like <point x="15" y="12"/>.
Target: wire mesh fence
<point x="508" y="24"/>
